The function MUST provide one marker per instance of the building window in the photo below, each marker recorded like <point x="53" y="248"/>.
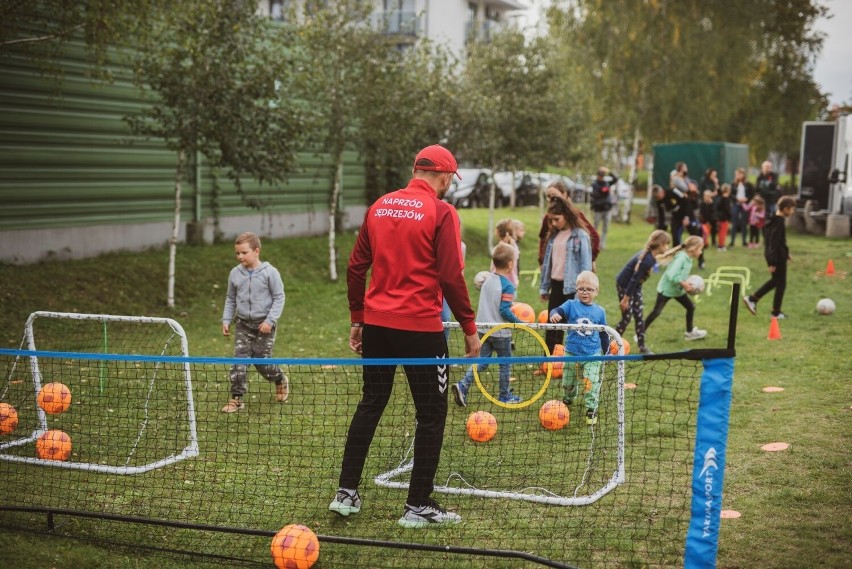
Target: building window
<point x="471" y="24"/>
<point x="398" y="17"/>
<point x="278" y="9"/>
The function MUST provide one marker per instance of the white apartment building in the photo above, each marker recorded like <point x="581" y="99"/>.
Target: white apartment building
<point x="452" y="23"/>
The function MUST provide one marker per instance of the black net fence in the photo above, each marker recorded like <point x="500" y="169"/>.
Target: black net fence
<point x="153" y="462"/>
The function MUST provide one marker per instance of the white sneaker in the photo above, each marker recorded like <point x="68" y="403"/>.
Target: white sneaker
<point x="345" y="502"/>
<point x="430" y="514"/>
<point x="750" y="304"/>
<point x="695" y="334"/>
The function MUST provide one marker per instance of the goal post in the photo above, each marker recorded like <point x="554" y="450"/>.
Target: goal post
<point x="584" y="464"/>
<point x="132" y="406"/>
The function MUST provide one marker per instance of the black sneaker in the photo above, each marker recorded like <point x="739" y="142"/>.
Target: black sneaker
<point x="429" y="514"/>
<point x="779" y="315"/>
<point x="591" y="417"/>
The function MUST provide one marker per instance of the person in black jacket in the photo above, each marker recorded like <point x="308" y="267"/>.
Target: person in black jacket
<point x="777" y="254"/>
<point x="767" y="187"/>
<point x="724" y="208"/>
<point x="742" y="191"/>
<point x="603" y="198"/>
<point x="660" y="197"/>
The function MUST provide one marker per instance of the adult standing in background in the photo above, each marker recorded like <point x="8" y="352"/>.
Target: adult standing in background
<point x="679" y="204"/>
<point x="767" y="187"/>
<point x="603" y="198"/>
<point x="710" y="183"/>
<point x="741" y="191"/>
<point x="410" y="243"/>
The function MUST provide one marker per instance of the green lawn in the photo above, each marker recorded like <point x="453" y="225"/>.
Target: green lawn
<point x="795" y="505"/>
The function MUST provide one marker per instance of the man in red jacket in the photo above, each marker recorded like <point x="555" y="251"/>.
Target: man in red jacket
<point x="412" y="241"/>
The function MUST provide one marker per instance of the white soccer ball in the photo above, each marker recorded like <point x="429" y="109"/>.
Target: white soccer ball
<point x="697" y="284"/>
<point x="481" y="277"/>
<point x="825" y="306"/>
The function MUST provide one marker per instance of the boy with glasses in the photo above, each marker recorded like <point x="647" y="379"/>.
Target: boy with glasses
<point x="583" y="342"/>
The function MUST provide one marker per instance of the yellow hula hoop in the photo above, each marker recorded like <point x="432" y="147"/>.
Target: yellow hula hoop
<point x="541" y="391"/>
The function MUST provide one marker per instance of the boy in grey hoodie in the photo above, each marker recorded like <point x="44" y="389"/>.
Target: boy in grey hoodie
<point x="255" y="299"/>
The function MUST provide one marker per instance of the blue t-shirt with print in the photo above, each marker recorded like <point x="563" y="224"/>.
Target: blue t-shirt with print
<point x="583" y="342"/>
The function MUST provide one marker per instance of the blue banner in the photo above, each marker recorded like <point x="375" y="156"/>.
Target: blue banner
<point x="708" y="471"/>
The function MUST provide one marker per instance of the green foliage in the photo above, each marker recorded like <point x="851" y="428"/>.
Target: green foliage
<point x="214" y="74"/>
<point x="517" y="110"/>
<point x="693" y="70"/>
<point x="40" y="29"/>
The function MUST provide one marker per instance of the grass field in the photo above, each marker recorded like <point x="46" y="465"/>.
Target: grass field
<point x="795" y="504"/>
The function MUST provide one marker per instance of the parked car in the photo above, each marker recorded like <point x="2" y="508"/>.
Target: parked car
<point x="527" y="186"/>
<point x="472" y="190"/>
<point x="576" y="191"/>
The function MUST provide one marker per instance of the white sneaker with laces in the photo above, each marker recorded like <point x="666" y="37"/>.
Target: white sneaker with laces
<point x="427" y="515"/>
<point x="345" y="502"/>
<point x="750" y="304"/>
<point x="694" y="334"/>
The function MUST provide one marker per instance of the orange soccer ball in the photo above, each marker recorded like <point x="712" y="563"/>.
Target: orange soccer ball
<point x="54" y="398"/>
<point x="8" y="419"/>
<point x="613" y="347"/>
<point x="556" y="367"/>
<point x="553" y="415"/>
<point x="524" y="312"/>
<point x="295" y="547"/>
<point x="481" y="426"/>
<point x="54" y="445"/>
<point x="542" y="316"/>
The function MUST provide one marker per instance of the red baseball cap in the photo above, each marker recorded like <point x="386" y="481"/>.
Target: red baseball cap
<point x="436" y="158"/>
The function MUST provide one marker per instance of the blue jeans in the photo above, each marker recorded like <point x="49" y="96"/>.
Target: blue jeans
<point x="446" y="314"/>
<point x="503" y="348"/>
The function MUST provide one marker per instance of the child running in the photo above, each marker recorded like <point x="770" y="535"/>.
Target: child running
<point x="673" y="285"/>
<point x="777" y="254"/>
<point x="629" y="281"/>
<point x="583" y="310"/>
<point x="495" y="305"/>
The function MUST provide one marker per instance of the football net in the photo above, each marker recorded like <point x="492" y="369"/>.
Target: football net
<point x="622" y="492"/>
<point x="127" y="414"/>
<point x="572" y="465"/>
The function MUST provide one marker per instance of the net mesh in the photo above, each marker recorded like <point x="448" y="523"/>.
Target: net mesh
<point x="273" y="464"/>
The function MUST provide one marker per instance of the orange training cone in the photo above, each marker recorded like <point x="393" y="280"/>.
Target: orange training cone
<point x="774" y="330"/>
<point x="829" y="268"/>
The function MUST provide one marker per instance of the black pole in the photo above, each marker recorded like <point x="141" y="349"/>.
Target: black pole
<point x="732" y="320"/>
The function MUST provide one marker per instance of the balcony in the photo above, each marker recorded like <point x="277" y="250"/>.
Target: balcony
<point x="398" y="23"/>
<point x="484" y="30"/>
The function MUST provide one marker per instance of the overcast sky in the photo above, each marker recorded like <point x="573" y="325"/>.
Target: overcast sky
<point x="833" y="70"/>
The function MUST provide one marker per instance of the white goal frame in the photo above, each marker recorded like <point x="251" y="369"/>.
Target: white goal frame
<point x="386" y="479"/>
<point x="189" y="451"/>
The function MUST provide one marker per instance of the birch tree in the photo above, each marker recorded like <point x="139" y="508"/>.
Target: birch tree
<point x="213" y="77"/>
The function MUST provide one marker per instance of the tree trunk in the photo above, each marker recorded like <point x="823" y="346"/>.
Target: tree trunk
<point x="332" y="215"/>
<point x="170" y="300"/>
<point x="491" y="217"/>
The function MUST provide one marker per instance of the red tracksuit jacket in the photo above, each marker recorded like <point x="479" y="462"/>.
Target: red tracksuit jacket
<point x="412" y="241"/>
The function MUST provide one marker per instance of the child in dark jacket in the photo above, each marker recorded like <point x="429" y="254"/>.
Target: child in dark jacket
<point x="629" y="281"/>
<point x="707" y="216"/>
<point x="723" y="215"/>
<point x="777" y="254"/>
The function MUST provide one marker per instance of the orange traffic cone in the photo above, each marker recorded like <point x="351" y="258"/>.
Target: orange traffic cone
<point x="774" y="330"/>
<point x="829" y="268"/>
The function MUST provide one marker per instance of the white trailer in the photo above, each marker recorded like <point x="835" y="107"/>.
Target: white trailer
<point x="825" y="187"/>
